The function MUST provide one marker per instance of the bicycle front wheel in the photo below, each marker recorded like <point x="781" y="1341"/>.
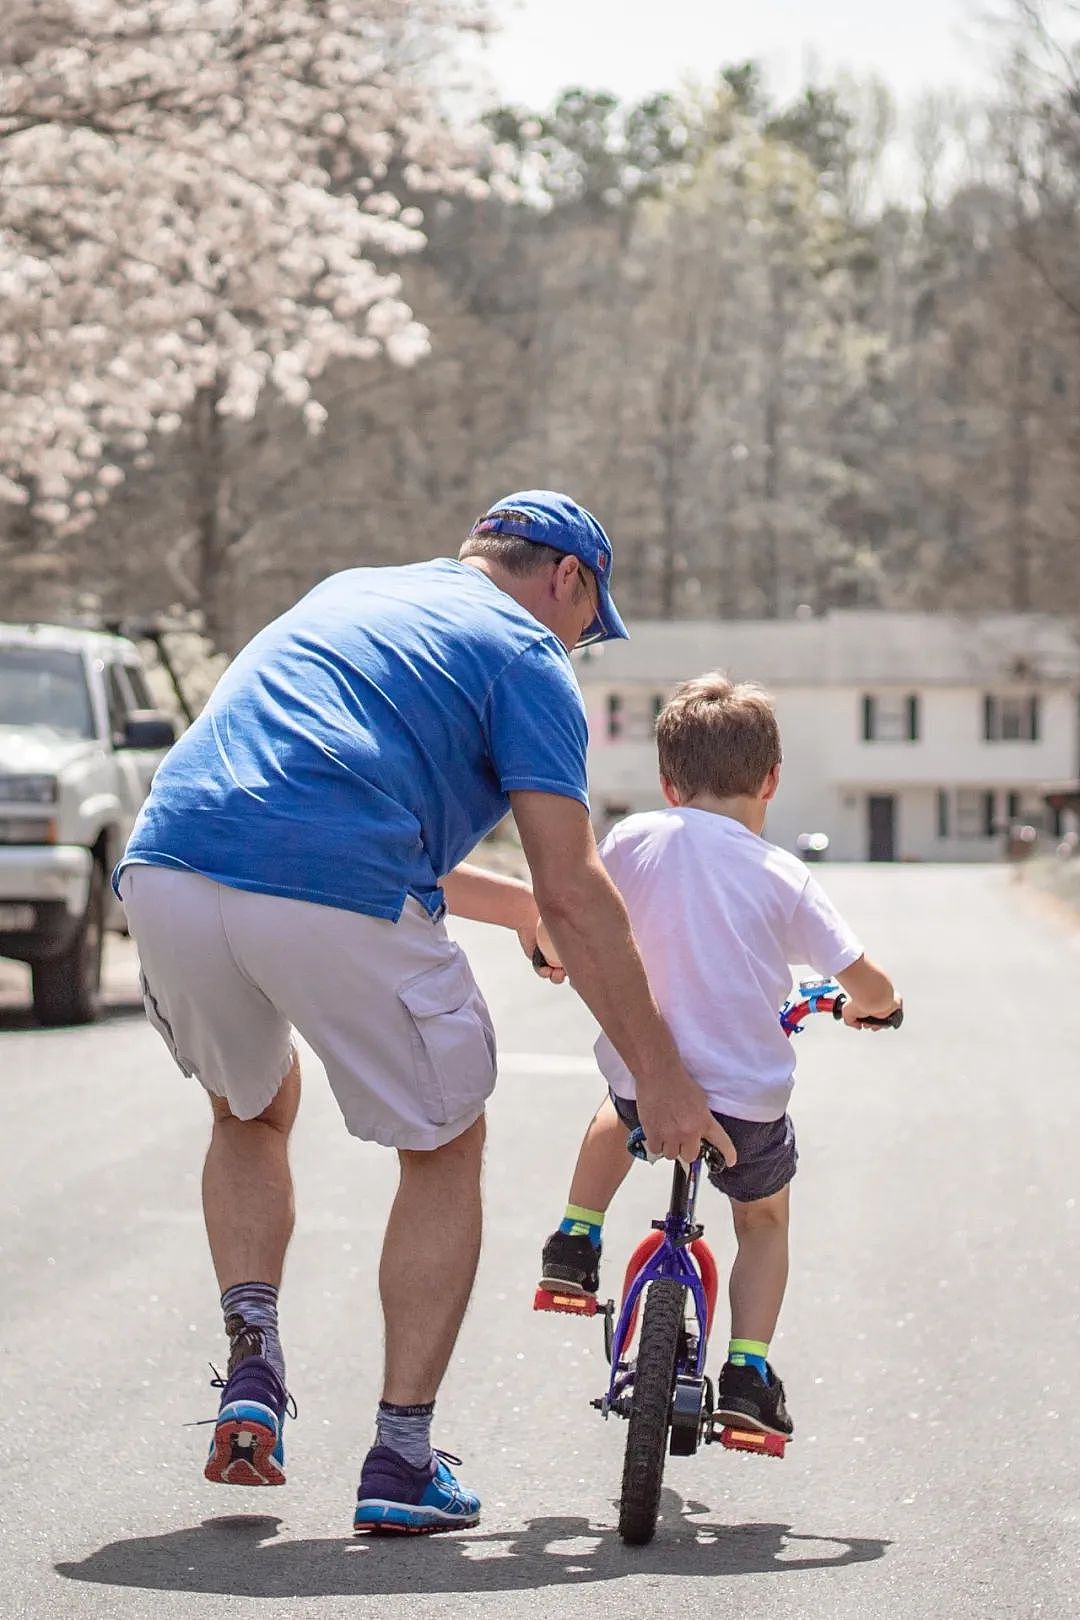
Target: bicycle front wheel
<point x="662" y="1326"/>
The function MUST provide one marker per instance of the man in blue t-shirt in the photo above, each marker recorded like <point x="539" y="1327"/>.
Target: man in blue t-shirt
<point x="292" y="868"/>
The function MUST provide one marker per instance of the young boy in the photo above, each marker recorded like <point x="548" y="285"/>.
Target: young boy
<point x="719" y="914"/>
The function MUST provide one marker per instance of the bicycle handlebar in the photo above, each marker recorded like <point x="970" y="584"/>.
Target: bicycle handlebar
<point x="823" y="997"/>
<point x="894" y="1020"/>
<point x="635" y="1146"/>
<point x="828" y="997"/>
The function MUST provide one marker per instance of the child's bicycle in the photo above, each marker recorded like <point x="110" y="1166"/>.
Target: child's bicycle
<point x="664" y="1390"/>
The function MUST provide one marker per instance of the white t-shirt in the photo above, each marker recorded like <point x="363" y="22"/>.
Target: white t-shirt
<point x="719" y="914"/>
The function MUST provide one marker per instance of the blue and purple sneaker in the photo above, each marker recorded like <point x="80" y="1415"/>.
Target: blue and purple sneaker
<point x="395" y="1497"/>
<point x="247" y="1447"/>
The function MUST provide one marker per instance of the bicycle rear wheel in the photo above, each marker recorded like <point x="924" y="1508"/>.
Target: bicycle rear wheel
<point x="662" y="1327"/>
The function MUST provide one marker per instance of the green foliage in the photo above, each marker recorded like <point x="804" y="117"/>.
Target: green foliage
<point x="704" y="315"/>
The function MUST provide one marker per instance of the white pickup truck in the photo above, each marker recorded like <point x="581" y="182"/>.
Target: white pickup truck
<point x="80" y="739"/>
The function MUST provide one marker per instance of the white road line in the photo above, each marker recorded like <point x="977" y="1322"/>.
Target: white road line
<point x="547" y="1063"/>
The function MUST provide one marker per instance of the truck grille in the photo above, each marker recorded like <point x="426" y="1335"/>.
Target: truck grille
<point x="27" y="830"/>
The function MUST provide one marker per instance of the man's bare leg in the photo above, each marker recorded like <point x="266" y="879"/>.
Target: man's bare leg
<point x="247" y="1188"/>
<point x="248" y="1205"/>
<point x="429" y="1259"/>
<point x="426" y="1275"/>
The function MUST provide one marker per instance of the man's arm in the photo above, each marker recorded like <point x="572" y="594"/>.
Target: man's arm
<point x="591" y="931"/>
<point x="491" y="897"/>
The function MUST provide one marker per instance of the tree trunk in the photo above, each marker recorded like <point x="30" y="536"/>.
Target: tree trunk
<point x="209" y="499"/>
<point x="769" y="569"/>
<point x="1020" y="479"/>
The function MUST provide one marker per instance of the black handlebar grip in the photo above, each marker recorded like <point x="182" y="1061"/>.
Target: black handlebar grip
<point x="894" y="1020"/>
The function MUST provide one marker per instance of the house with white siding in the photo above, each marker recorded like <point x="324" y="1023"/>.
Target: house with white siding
<point x="907" y="736"/>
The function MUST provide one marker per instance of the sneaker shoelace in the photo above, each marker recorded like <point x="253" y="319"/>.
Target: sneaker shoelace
<point x="218" y="1382"/>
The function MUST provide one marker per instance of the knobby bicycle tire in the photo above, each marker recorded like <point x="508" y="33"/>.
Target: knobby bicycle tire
<point x="662" y="1325"/>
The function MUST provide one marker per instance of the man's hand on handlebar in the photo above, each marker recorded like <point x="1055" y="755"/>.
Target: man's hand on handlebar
<point x="676" y="1120"/>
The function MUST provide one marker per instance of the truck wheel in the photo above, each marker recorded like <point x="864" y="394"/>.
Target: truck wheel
<point x="67" y="988"/>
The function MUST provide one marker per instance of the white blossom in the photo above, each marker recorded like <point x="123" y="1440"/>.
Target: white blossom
<point x="193" y="194"/>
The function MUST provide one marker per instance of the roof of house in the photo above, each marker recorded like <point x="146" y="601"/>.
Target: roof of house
<point x="845" y="648"/>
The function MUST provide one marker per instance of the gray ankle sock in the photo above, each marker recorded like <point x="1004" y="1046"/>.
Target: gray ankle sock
<point x="251" y="1321"/>
<point x="406" y="1430"/>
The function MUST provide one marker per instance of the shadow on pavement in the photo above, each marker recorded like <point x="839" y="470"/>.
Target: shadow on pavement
<point x="240" y="1557"/>
<point x="116" y="1011"/>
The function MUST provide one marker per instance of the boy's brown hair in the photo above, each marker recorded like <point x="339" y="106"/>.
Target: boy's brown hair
<point x="717" y="736"/>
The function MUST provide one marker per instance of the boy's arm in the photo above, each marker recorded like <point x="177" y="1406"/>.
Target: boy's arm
<point x="490" y="897"/>
<point x="819" y="935"/>
<point x="870" y="990"/>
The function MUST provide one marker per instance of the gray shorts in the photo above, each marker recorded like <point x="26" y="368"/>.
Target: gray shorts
<point x="767" y="1155"/>
<point x="391" y="1009"/>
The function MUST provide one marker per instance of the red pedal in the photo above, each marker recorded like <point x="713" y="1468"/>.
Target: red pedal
<point x="766" y="1445"/>
<point x="568" y="1304"/>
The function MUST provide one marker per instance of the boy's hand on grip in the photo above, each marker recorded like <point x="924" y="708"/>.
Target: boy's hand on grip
<point x="855" y="1017"/>
<point x="538" y="946"/>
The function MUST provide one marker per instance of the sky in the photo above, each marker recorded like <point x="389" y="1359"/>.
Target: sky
<point x="635" y="46"/>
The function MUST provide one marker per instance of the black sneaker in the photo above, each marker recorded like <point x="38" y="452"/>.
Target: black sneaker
<point x="743" y="1400"/>
<point x="569" y="1265"/>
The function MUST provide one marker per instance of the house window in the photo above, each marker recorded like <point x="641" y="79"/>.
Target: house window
<point x="1011" y="718"/>
<point x="1012" y="808"/>
<point x="631" y="715"/>
<point x="942" y="813"/>
<point x="976" y="813"/>
<point x="890" y="717"/>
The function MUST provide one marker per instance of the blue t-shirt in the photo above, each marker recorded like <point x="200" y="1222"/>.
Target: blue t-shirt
<point x="364" y="742"/>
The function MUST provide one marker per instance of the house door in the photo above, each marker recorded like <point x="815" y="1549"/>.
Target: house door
<point x="881" y="814"/>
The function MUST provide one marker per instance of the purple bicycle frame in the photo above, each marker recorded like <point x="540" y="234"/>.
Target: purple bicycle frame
<point x="671" y="1260"/>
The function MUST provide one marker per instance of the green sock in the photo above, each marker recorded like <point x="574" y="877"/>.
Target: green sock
<point x="749" y="1353"/>
<point x="580" y="1222"/>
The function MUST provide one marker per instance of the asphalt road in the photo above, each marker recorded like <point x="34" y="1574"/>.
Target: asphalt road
<point x="929" y="1343"/>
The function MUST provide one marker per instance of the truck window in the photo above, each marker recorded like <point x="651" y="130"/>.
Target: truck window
<point x="140" y="691"/>
<point x="45" y="686"/>
<point x="119" y="703"/>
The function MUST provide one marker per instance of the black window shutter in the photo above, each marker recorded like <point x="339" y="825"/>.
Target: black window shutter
<point x="913" y="718"/>
<point x="1034" y="713"/>
<point x="614" y="714"/>
<point x="989" y="707"/>
<point x="942" y="813"/>
<point x="989" y="826"/>
<point x="1013" y="808"/>
<point x="868" y="718"/>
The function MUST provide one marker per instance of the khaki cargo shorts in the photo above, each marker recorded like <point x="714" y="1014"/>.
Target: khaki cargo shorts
<point x="391" y="1009"/>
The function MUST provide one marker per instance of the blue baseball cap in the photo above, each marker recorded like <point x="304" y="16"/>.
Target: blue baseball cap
<point x="551" y="519"/>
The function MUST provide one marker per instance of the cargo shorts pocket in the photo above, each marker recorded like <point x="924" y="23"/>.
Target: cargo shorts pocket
<point x="452" y="1038"/>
